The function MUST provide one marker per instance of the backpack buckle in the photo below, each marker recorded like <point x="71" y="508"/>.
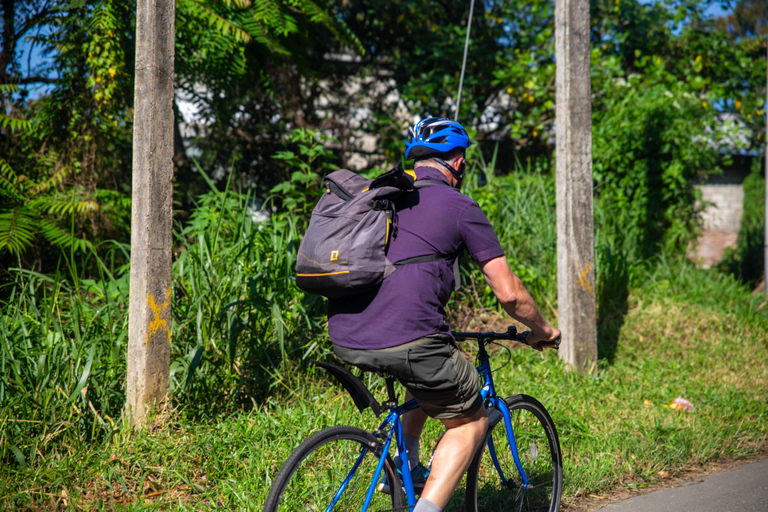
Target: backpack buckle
<point x="382" y="205"/>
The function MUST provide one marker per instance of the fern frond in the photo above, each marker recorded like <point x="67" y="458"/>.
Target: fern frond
<point x="269" y="13"/>
<point x="259" y="28"/>
<point x="61" y="238"/>
<point x="336" y="25"/>
<point x="103" y="18"/>
<point x="14" y="123"/>
<point x="62" y="207"/>
<point x="17" y="229"/>
<point x="222" y="24"/>
<point x="113" y="200"/>
<point x="55" y="179"/>
<point x="9" y="187"/>
<point x="9" y="88"/>
<point x="240" y="4"/>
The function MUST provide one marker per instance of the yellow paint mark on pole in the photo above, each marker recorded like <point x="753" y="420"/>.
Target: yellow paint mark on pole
<point x="584" y="278"/>
<point x="159" y="322"/>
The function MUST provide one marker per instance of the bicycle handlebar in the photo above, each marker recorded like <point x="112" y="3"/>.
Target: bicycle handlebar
<point x="511" y="334"/>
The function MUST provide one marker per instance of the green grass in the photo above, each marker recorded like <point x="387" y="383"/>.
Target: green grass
<point x="245" y="396"/>
<point x="686" y="332"/>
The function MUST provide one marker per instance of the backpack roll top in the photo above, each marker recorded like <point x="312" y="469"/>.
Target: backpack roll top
<point x="344" y="249"/>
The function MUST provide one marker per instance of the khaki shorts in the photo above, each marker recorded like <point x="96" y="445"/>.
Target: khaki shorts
<point x="432" y="368"/>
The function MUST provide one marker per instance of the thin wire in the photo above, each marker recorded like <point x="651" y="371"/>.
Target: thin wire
<point x="464" y="61"/>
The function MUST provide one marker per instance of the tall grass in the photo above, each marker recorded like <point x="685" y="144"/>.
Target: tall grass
<point x="236" y="318"/>
<point x="522" y="208"/>
<point x="62" y="364"/>
<point x="238" y="313"/>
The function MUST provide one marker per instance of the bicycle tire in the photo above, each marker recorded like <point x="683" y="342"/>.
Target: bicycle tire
<point x="540" y="455"/>
<point x="311" y="476"/>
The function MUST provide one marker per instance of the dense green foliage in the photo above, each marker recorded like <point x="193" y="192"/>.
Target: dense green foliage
<point x="287" y="90"/>
<point x="66" y="166"/>
<point x="648" y="151"/>
<point x="65" y="157"/>
<point x="252" y="70"/>
<point x="236" y="317"/>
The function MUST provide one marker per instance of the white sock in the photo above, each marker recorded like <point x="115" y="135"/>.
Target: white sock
<point x="412" y="449"/>
<point x="424" y="505"/>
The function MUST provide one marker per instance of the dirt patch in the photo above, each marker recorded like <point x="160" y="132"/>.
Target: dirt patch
<point x="690" y="474"/>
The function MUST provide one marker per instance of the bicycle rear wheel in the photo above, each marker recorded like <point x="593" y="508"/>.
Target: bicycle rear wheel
<point x="539" y="451"/>
<point x="313" y="476"/>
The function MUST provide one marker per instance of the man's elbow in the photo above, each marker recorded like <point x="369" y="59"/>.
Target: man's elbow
<point x="507" y="298"/>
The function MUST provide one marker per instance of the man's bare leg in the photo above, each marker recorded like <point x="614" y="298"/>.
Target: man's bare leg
<point x="453" y="455"/>
<point x="413" y="421"/>
<point x="413" y="424"/>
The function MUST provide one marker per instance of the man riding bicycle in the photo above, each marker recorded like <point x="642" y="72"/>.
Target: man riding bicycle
<point x="399" y="328"/>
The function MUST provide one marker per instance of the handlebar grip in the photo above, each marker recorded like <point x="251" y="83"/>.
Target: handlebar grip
<point x="555" y="343"/>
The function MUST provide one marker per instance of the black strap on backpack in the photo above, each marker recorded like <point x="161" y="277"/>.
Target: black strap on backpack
<point x="456" y="255"/>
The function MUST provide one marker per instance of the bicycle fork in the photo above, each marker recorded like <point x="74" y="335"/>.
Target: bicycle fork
<point x="488" y="392"/>
<point x="391" y="423"/>
<point x="500" y="407"/>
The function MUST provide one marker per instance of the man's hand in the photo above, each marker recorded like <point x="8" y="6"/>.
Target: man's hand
<point x="549" y="338"/>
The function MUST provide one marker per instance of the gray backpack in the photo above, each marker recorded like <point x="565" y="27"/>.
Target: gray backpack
<point x="344" y="251"/>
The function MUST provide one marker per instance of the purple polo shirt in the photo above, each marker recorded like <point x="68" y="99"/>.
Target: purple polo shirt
<point x="411" y="301"/>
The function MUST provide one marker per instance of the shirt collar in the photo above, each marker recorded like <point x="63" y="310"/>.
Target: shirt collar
<point x="430" y="173"/>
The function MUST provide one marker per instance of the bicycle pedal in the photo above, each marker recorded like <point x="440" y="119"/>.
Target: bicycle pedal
<point x="384" y="488"/>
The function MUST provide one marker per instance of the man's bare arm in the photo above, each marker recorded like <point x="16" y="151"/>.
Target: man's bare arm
<point x="516" y="300"/>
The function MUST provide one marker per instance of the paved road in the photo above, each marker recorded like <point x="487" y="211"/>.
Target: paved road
<point x="744" y="489"/>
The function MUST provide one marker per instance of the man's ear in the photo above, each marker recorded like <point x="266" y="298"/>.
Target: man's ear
<point x="461" y="163"/>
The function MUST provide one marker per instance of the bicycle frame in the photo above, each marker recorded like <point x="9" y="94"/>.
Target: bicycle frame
<point x="393" y="426"/>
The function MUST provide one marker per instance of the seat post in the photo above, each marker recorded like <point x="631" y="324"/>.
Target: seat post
<point x="392" y="397"/>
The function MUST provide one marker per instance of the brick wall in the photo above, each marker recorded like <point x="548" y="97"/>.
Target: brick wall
<point x="724" y="203"/>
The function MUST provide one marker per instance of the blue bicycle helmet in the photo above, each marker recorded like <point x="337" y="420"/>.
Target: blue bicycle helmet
<point x="435" y="135"/>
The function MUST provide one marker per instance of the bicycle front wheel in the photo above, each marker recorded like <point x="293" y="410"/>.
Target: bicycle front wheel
<point x="495" y="485"/>
<point x="333" y="470"/>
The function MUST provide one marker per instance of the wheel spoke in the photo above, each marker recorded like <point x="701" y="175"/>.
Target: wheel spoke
<point x="332" y="470"/>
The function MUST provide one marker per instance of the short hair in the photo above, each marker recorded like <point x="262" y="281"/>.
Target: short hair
<point x="447" y="156"/>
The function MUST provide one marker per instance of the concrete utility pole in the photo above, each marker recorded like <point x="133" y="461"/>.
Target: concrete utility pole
<point x="575" y="225"/>
<point x="149" y="330"/>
